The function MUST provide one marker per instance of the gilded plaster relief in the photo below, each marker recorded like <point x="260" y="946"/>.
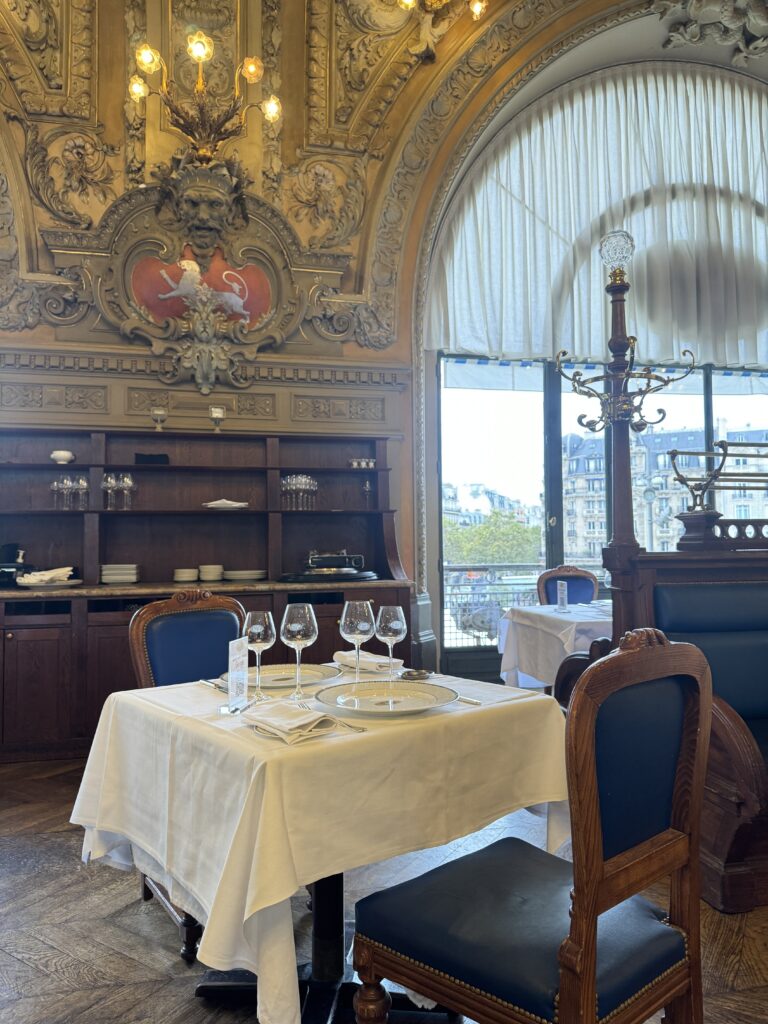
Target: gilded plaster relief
<point x="134" y="118"/>
<point x="328" y="195"/>
<point x="67" y="172"/>
<point x="49" y="73"/>
<point x="741" y="25"/>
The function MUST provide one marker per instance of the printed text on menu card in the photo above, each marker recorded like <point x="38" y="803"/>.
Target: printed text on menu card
<point x="237" y="685"/>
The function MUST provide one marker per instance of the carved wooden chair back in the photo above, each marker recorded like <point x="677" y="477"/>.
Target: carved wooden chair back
<point x="184" y="637"/>
<point x="581" y="584"/>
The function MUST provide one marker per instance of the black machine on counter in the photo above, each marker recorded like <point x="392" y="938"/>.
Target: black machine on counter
<point x="12" y="564"/>
<point x="330" y="566"/>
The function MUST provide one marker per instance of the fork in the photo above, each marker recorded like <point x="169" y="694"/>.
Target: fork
<point x="338" y="721"/>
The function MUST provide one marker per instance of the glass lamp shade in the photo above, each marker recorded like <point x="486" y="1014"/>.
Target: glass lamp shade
<point x="616" y="249"/>
<point x="272" y="109"/>
<point x="138" y="89"/>
<point x="148" y="59"/>
<point x="252" y="70"/>
<point x="199" y="47"/>
<point x="477" y="8"/>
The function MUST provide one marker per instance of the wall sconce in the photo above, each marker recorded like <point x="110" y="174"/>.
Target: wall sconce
<point x="217" y="413"/>
<point x="159" y="415"/>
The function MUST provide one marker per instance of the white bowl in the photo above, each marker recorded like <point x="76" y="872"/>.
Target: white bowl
<point x="61" y="458"/>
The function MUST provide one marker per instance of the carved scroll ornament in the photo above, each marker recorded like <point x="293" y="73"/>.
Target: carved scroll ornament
<point x="740" y="24"/>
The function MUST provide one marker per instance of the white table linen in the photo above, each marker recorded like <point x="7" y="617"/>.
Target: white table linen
<point x="234" y="823"/>
<point x="533" y="641"/>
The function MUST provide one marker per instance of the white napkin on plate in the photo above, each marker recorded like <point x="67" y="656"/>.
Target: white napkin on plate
<point x="368" y="662"/>
<point x="225" y="503"/>
<point x="48" y="575"/>
<point x="288" y="722"/>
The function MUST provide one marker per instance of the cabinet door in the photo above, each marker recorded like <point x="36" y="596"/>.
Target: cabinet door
<point x="109" y="668"/>
<point x="37" y="665"/>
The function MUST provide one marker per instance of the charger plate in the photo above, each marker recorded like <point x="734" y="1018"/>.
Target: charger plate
<point x="377" y="697"/>
<point x="278" y="677"/>
<point x="50" y="586"/>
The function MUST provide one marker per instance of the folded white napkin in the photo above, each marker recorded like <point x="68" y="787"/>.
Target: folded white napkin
<point x="48" y="575"/>
<point x="368" y="662"/>
<point x="225" y="503"/>
<point x="288" y="722"/>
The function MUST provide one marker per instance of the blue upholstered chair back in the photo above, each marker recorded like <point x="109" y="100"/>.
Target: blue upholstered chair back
<point x="637" y="745"/>
<point x="187" y="645"/>
<point x="728" y="622"/>
<point x="580" y="589"/>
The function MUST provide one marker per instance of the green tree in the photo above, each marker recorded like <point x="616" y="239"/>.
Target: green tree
<point x="500" y="538"/>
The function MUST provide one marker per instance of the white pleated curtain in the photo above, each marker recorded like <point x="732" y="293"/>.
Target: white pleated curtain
<point x="673" y="153"/>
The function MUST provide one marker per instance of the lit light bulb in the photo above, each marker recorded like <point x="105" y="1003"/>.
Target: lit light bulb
<point x="200" y="47"/>
<point x="253" y="70"/>
<point x="272" y="109"/>
<point x="477" y="8"/>
<point x="148" y="59"/>
<point x="137" y="88"/>
<point x="407" y="5"/>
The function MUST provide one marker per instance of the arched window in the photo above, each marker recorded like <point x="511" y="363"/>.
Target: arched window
<point x="673" y="153"/>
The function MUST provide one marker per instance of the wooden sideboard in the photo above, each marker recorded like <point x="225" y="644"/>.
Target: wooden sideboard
<point x="65" y="649"/>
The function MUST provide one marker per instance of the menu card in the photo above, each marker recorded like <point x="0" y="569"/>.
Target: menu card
<point x="562" y="595"/>
<point x="237" y="678"/>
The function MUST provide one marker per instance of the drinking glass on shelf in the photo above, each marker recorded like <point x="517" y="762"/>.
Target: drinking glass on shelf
<point x="56" y="491"/>
<point x="298" y="630"/>
<point x="260" y="629"/>
<point x="126" y="485"/>
<point x="390" y="629"/>
<point x="82" y="487"/>
<point x="356" y="626"/>
<point x="66" y="486"/>
<point x="109" y="486"/>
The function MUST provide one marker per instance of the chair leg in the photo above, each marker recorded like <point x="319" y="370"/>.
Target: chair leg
<point x="371" y="1003"/>
<point x="190" y="932"/>
<point x="682" y="1011"/>
<point x="146" y="892"/>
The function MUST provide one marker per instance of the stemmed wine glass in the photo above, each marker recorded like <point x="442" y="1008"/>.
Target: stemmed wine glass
<point x="390" y="629"/>
<point x="298" y="630"/>
<point x="259" y="627"/>
<point x="109" y="486"/>
<point x="356" y="626"/>
<point x="127" y="486"/>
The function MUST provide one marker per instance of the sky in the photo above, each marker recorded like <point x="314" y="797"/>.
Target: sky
<point x="496" y="437"/>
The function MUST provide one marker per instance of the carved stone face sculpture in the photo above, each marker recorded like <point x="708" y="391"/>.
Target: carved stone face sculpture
<point x="205" y="213"/>
<point x="206" y="200"/>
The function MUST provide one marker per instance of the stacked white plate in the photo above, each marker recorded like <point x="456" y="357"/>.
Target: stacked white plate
<point x="119" y="573"/>
<point x="211" y="573"/>
<point x="243" y="575"/>
<point x="185" y="575"/>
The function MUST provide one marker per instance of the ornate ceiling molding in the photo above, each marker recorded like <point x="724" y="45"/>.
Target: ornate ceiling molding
<point x="50" y="73"/>
<point x="742" y="25"/>
<point x="134" y="117"/>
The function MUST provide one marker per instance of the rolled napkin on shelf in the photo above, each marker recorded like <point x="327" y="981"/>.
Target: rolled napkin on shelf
<point x="288" y="722"/>
<point x="48" y="575"/>
<point x="225" y="503"/>
<point x="377" y="663"/>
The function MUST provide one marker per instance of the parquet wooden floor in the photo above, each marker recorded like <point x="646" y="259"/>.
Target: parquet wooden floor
<point x="77" y="945"/>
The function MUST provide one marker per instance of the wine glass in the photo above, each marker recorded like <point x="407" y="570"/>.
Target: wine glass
<point x="390" y="629"/>
<point x="356" y="626"/>
<point x="82" y="487"/>
<point x="66" y="486"/>
<point x="127" y="486"/>
<point x="298" y="630"/>
<point x="109" y="486"/>
<point x="260" y="629"/>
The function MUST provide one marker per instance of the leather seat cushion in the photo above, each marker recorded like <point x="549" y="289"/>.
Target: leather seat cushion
<point x="190" y="645"/>
<point x="495" y="920"/>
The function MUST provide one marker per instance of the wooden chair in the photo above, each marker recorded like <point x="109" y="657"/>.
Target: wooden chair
<point x="513" y="934"/>
<point x="175" y="641"/>
<point x="581" y="585"/>
<point x="184" y="637"/>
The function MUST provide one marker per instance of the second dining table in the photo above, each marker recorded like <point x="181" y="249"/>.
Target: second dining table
<point x="233" y="823"/>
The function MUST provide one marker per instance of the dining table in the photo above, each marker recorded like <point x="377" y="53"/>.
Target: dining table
<point x="534" y="641"/>
<point x="234" y="822"/>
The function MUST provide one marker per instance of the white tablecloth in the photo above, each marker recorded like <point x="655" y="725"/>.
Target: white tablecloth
<point x="234" y="823"/>
<point x="534" y="641"/>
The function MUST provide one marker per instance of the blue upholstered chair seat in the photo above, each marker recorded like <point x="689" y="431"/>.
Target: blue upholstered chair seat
<point x="496" y="919"/>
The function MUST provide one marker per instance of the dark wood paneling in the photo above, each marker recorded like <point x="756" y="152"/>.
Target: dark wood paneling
<point x="109" y="668"/>
<point x="37" y="685"/>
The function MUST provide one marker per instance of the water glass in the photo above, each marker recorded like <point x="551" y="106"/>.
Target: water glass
<point x="390" y="629"/>
<point x="298" y="630"/>
<point x="356" y="626"/>
<point x="260" y="629"/>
